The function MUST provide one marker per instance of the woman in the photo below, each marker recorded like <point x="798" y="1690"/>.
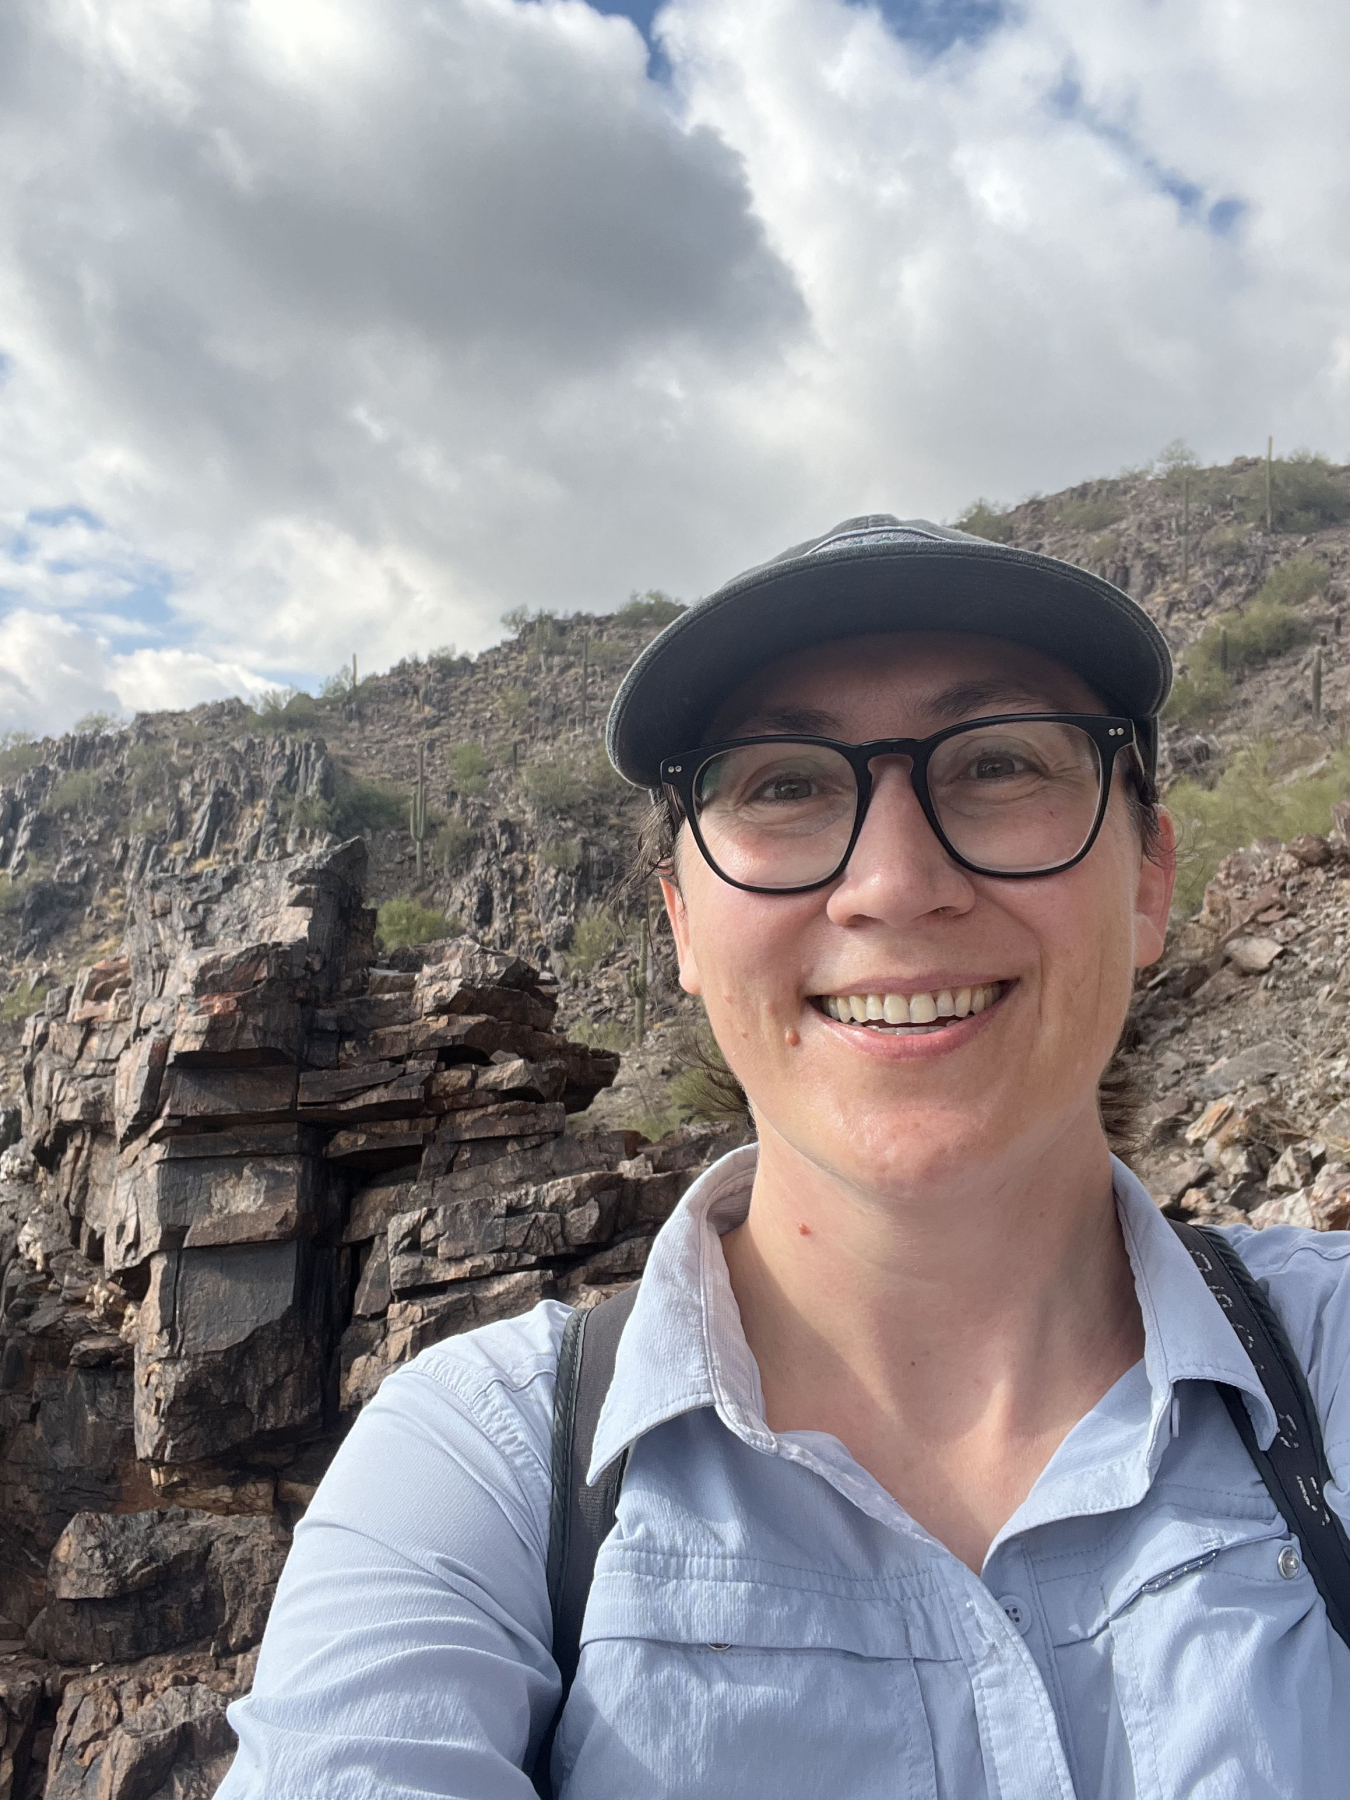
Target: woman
<point x="929" y="1489"/>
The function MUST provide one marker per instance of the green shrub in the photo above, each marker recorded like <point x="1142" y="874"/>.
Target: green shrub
<point x="1104" y="550"/>
<point x="564" y="854"/>
<point x="1197" y="698"/>
<point x="538" y="631"/>
<point x="313" y="813"/>
<point x="1294" y="581"/>
<point x="17" y="753"/>
<point x="594" y="935"/>
<point x="100" y="723"/>
<point x="1267" y="626"/>
<point x="607" y="1035"/>
<point x="287" y="709"/>
<point x="1249" y="801"/>
<point x="12" y="895"/>
<point x="338" y="685"/>
<point x="1173" y="462"/>
<point x="516" y="706"/>
<point x="1227" y="543"/>
<point x="609" y="656"/>
<point x="652" y="611"/>
<point x="1305" y="493"/>
<point x="555" y="787"/>
<point x="986" y="519"/>
<point x="1089" y="512"/>
<point x="79" y="791"/>
<point x="361" y="805"/>
<point x="406" y="921"/>
<point x="567" y="785"/>
<point x="22" y="1001"/>
<point x="453" y="845"/>
<point x="1260" y="630"/>
<point x="469" y="769"/>
<point x="151" y="772"/>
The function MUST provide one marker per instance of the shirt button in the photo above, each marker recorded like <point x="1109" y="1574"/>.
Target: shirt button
<point x="1287" y="1562"/>
<point x="1017" y="1611"/>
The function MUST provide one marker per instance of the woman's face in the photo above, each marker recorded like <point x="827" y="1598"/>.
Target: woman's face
<point x="895" y="1107"/>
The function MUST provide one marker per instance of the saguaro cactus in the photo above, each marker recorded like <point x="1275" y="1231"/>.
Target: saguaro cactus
<point x="417" y="808"/>
<point x="1317" y="685"/>
<point x="638" y="978"/>
<point x="1185" y="529"/>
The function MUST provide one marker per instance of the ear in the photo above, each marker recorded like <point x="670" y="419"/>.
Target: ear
<point x="1153" y="896"/>
<point x="679" y="930"/>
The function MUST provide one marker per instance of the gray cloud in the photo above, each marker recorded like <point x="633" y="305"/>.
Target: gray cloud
<point x="350" y="326"/>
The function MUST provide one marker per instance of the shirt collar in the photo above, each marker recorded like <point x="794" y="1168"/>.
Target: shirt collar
<point x="683" y="1347"/>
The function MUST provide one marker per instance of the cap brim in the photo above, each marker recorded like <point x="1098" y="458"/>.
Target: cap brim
<point x="944" y="584"/>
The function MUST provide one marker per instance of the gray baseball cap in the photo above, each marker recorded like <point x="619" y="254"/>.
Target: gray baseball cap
<point x="878" y="574"/>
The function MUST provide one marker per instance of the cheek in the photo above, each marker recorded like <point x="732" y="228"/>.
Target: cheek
<point x="747" y="950"/>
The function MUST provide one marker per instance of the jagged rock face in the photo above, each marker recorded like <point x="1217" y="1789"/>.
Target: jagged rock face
<point x="257" y="1173"/>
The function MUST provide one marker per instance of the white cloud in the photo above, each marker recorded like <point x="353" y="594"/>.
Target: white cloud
<point x="50" y="670"/>
<point x="349" y="327"/>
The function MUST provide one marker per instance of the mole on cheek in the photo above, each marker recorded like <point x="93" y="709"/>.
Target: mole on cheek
<point x="791" y="1037"/>
<point x="805" y="1230"/>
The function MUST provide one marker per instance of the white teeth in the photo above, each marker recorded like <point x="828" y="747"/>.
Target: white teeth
<point x="916" y="1009"/>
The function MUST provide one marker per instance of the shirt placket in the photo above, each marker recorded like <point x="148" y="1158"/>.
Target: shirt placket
<point x="1018" y="1728"/>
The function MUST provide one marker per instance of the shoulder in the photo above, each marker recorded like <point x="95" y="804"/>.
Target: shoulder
<point x="478" y="1406"/>
<point x="1306" y="1275"/>
<point x="507" y="1367"/>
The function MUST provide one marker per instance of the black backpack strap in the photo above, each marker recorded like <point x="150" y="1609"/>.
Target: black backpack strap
<point x="1295" y="1467"/>
<point x="580" y="1516"/>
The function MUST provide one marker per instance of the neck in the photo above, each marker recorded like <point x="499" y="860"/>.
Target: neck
<point x="978" y="1317"/>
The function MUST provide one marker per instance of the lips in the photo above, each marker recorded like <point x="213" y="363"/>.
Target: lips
<point x="935" y="1007"/>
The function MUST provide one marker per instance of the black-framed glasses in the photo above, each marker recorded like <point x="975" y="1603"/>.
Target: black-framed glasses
<point x="1018" y="795"/>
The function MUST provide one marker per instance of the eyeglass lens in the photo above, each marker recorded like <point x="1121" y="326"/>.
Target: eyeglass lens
<point x="1010" y="799"/>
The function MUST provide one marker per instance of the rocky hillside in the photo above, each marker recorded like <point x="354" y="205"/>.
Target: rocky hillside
<point x="261" y="1142"/>
<point x="259" y="1169"/>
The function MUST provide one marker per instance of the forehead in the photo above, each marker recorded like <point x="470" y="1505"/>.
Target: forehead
<point x="899" y="684"/>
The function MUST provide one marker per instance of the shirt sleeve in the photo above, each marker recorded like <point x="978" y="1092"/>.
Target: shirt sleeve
<point x="408" y="1650"/>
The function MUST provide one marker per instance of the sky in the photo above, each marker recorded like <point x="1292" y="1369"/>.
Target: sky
<point x="344" y="326"/>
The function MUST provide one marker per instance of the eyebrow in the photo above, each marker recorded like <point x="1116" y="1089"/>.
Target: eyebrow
<point x="980" y="696"/>
<point x="962" y="699"/>
<point x="799" y="721"/>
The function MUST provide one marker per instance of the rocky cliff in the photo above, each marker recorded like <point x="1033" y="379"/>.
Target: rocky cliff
<point x="259" y="1169"/>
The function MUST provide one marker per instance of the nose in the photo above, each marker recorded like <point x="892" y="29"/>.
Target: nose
<point x="898" y="870"/>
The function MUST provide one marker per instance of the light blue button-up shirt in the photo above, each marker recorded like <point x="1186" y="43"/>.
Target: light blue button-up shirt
<point x="766" y="1621"/>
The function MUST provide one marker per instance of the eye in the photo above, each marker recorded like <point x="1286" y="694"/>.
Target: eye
<point x="785" y="787"/>
<point x="996" y="765"/>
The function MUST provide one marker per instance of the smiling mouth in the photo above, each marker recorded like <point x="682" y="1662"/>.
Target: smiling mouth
<point x="895" y="1013"/>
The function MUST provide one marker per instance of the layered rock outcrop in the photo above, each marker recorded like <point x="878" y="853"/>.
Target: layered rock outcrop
<point x="257" y="1172"/>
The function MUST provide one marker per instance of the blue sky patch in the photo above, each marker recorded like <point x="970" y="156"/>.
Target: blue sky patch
<point x="65" y="515"/>
<point x="932" y="26"/>
<point x="1220" y="216"/>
